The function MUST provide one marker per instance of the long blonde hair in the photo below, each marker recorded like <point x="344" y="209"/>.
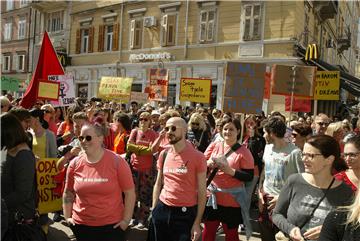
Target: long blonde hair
<point x="353" y="217"/>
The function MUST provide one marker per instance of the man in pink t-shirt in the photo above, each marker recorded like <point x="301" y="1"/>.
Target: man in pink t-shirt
<point x="179" y="194"/>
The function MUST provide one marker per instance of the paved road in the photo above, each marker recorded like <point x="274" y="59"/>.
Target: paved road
<point x="59" y="232"/>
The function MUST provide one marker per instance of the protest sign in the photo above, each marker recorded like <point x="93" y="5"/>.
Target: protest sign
<point x="327" y="85"/>
<point x="139" y="97"/>
<point x="303" y="81"/>
<point x="195" y="90"/>
<point x="299" y="104"/>
<point x="267" y="85"/>
<point x="244" y="87"/>
<point x="115" y="88"/>
<point x="9" y="83"/>
<point x="48" y="90"/>
<point x="67" y="90"/>
<point x="45" y="171"/>
<point x="158" y="86"/>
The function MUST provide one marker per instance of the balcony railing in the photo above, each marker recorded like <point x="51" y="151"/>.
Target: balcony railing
<point x="326" y="9"/>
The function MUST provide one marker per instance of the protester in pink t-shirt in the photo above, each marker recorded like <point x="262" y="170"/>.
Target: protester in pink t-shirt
<point x="139" y="144"/>
<point x="180" y="189"/>
<point x="92" y="201"/>
<point x="233" y="171"/>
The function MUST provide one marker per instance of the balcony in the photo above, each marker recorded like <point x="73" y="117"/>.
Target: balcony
<point x="326" y="9"/>
<point x="344" y="41"/>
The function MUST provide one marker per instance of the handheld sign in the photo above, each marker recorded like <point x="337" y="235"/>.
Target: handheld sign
<point x="195" y="90"/>
<point x="115" y="88"/>
<point x="48" y="90"/>
<point x="67" y="90"/>
<point x="48" y="201"/>
<point x="158" y="86"/>
<point x="327" y="86"/>
<point x="244" y="88"/>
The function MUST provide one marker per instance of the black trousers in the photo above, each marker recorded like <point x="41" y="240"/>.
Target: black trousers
<point x="103" y="233"/>
<point x="171" y="223"/>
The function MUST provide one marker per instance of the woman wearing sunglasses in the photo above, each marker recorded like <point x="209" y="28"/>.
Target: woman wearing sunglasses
<point x="307" y="198"/>
<point x="93" y="203"/>
<point x="352" y="158"/>
<point x="139" y="145"/>
<point x="198" y="133"/>
<point x="228" y="182"/>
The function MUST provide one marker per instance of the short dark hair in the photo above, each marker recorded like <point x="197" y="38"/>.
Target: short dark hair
<point x="235" y="122"/>
<point x="302" y="129"/>
<point x="278" y="114"/>
<point x="276" y="126"/>
<point x="12" y="132"/>
<point x="124" y="119"/>
<point x="328" y="145"/>
<point x="354" y="140"/>
<point x="21" y="113"/>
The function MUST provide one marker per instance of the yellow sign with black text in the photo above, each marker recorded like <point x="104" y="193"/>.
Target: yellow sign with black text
<point x="327" y="85"/>
<point x="195" y="90"/>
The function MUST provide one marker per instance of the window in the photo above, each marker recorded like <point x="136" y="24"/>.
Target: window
<point x="9" y="4"/>
<point x="23" y="3"/>
<point x="84" y="40"/>
<point x="136" y="33"/>
<point x="306" y="24"/>
<point x="252" y="22"/>
<point x="109" y="37"/>
<point x="21" y="29"/>
<point x="55" y="21"/>
<point x="8" y="31"/>
<point x="168" y="28"/>
<point x="6" y="63"/>
<point x="207" y="26"/>
<point x="21" y="62"/>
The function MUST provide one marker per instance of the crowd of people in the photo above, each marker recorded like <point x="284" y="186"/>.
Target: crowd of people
<point x="182" y="173"/>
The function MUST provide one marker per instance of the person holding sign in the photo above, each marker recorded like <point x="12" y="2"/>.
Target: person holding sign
<point x="92" y="202"/>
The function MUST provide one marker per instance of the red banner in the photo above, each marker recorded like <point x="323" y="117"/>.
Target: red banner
<point x="158" y="86"/>
<point x="299" y="105"/>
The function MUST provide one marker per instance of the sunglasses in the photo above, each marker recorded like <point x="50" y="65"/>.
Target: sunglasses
<point x="143" y="119"/>
<point x="87" y="138"/>
<point x="323" y="123"/>
<point x="172" y="128"/>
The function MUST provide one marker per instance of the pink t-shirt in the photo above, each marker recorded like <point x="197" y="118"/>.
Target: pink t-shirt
<point x="180" y="176"/>
<point x="98" y="188"/>
<point x="241" y="159"/>
<point x="138" y="137"/>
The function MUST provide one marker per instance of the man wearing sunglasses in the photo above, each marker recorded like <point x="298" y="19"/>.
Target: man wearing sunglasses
<point x="321" y="124"/>
<point x="180" y="190"/>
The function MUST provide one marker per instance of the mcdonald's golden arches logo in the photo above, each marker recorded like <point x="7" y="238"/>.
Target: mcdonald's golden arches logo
<point x="311" y="52"/>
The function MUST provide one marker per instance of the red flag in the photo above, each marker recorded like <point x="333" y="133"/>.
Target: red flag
<point x="48" y="64"/>
<point x="299" y="105"/>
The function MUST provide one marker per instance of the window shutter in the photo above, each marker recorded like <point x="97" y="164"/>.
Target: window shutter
<point x="115" y="42"/>
<point x="256" y="25"/>
<point x="15" y="65"/>
<point x="247" y="24"/>
<point x="132" y="33"/>
<point x="91" y="40"/>
<point x="78" y="41"/>
<point x="101" y="38"/>
<point x="164" y="26"/>
<point x="171" y="29"/>
<point x="211" y="26"/>
<point x="203" y="23"/>
<point x="137" y="37"/>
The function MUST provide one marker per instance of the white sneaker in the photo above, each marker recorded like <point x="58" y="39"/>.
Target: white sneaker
<point x="140" y="226"/>
<point x="132" y="223"/>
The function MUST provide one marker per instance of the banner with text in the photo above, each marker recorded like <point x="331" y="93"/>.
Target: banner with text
<point x="284" y="79"/>
<point x="48" y="90"/>
<point x="45" y="171"/>
<point x="67" y="90"/>
<point x="244" y="87"/>
<point x="195" y="90"/>
<point x="327" y="85"/>
<point x="115" y="88"/>
<point x="158" y="86"/>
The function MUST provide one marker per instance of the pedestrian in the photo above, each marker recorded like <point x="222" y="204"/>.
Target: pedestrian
<point x="180" y="190"/>
<point x="96" y="181"/>
<point x="198" y="133"/>
<point x="352" y="158"/>
<point x="280" y="160"/>
<point x="320" y="124"/>
<point x="300" y="132"/>
<point x="307" y="198"/>
<point x="228" y="203"/>
<point x="123" y="127"/>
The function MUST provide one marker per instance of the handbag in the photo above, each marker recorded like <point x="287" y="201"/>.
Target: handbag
<point x="280" y="236"/>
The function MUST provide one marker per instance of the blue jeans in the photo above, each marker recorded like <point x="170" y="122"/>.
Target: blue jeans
<point x="171" y="223"/>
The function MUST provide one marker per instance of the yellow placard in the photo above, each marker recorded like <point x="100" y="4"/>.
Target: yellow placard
<point x="115" y="88"/>
<point x="195" y="90"/>
<point x="45" y="172"/>
<point x="327" y="85"/>
<point x="48" y="90"/>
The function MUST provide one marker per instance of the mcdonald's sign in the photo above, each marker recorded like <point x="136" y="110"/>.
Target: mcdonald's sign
<point x="311" y="52"/>
<point x="63" y="59"/>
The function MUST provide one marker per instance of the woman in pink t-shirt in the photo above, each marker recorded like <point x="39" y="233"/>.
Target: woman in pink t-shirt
<point x="139" y="144"/>
<point x="93" y="203"/>
<point x="234" y="170"/>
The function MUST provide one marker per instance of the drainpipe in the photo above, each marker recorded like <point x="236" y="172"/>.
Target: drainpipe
<point x="33" y="47"/>
<point x="28" y="47"/>
<point x="186" y="28"/>
<point x="120" y="39"/>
